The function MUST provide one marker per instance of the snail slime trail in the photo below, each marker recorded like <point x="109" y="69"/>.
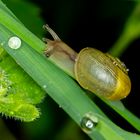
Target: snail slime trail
<point x="98" y="72"/>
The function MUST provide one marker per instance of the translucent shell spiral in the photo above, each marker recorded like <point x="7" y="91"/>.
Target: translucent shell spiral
<point x="102" y="74"/>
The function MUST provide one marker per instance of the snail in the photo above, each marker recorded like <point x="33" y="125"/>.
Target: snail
<point x="98" y="72"/>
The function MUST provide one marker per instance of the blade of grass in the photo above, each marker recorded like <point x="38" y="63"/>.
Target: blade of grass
<point x="124" y="112"/>
<point x="130" y="32"/>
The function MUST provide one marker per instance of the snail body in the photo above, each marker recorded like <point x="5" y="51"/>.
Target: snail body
<point x="94" y="70"/>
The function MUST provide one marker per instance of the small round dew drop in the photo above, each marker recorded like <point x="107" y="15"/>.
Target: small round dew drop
<point x="89" y="122"/>
<point x="14" y="42"/>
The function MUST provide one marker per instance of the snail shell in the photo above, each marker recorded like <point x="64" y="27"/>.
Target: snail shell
<point x="102" y="74"/>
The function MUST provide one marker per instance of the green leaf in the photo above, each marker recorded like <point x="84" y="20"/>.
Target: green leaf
<point x="21" y="85"/>
<point x="18" y="92"/>
<point x="18" y="109"/>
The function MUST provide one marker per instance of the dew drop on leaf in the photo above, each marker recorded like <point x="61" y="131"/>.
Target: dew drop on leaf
<point x="89" y="122"/>
<point x="14" y="42"/>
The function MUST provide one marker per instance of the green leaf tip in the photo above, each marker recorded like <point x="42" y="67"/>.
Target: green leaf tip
<point x="18" y="109"/>
<point x="17" y="96"/>
<point x="12" y="106"/>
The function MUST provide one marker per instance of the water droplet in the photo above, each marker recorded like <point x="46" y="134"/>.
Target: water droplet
<point x="44" y="86"/>
<point x="89" y="122"/>
<point x="2" y="43"/>
<point x="60" y="106"/>
<point x="127" y="70"/>
<point x="75" y="59"/>
<point x="14" y="42"/>
<point x="4" y="83"/>
<point x="11" y="113"/>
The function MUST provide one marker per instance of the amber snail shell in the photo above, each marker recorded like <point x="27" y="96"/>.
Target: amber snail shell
<point x="102" y="74"/>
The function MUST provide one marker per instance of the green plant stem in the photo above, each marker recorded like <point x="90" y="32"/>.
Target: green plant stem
<point x="121" y="45"/>
<point x="124" y="112"/>
<point x="130" y="32"/>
